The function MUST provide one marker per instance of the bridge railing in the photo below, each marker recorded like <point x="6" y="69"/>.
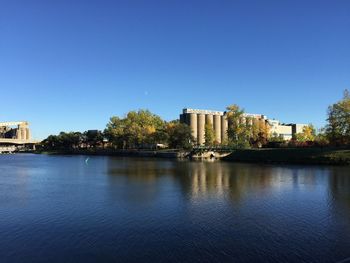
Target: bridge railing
<point x="212" y="148"/>
<point x="7" y="149"/>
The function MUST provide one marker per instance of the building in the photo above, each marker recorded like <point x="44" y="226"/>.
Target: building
<point x="15" y="134"/>
<point x="285" y="130"/>
<point x="197" y="119"/>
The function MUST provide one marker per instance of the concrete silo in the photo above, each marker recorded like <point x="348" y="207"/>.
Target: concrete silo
<point x="23" y="133"/>
<point x="193" y="124"/>
<point x="224" y="126"/>
<point x="201" y="129"/>
<point x="217" y="128"/>
<point x="28" y="134"/>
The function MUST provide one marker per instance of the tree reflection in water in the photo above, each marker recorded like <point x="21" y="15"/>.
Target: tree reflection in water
<point x="231" y="181"/>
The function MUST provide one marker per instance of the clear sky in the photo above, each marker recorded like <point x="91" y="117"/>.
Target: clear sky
<point x="69" y="65"/>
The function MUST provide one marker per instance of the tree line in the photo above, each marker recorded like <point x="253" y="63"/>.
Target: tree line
<point x="143" y="129"/>
<point x="337" y="130"/>
<point x="254" y="133"/>
<point x="250" y="132"/>
<point x="137" y="130"/>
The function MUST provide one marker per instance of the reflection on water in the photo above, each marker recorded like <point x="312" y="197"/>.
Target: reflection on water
<point x="234" y="181"/>
<point x="62" y="209"/>
<point x="339" y="188"/>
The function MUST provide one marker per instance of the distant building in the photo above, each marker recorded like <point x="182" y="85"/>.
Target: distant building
<point x="285" y="130"/>
<point x="15" y="134"/>
<point x="197" y="119"/>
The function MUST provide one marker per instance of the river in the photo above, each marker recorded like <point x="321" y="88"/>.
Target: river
<point x="108" y="209"/>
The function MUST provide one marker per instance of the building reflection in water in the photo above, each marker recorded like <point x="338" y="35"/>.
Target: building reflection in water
<point x="234" y="181"/>
<point x="222" y="180"/>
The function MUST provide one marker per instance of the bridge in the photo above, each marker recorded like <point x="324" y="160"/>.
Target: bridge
<point x="15" y="135"/>
<point x="209" y="152"/>
<point x="16" y="141"/>
<point x="7" y="149"/>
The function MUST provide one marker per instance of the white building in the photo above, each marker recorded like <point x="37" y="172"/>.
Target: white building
<point x="285" y="130"/>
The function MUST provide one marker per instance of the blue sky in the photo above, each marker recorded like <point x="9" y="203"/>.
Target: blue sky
<point x="70" y="65"/>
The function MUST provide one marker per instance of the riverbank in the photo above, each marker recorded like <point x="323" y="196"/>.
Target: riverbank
<point x="329" y="156"/>
<point x="316" y="156"/>
<point x="122" y="153"/>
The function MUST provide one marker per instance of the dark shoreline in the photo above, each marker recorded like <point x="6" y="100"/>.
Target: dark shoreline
<point x="309" y="156"/>
<point x="121" y="153"/>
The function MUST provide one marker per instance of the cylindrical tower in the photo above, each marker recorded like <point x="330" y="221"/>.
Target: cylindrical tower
<point x="28" y="134"/>
<point x="201" y="129"/>
<point x="217" y="128"/>
<point x="224" y="126"/>
<point x="209" y="119"/>
<point x="193" y="124"/>
<point x="18" y="134"/>
<point x="24" y="133"/>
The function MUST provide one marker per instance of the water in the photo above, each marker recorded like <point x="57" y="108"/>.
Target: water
<point x="106" y="209"/>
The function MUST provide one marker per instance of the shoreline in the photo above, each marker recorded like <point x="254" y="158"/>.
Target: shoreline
<point x="309" y="156"/>
<point x="122" y="153"/>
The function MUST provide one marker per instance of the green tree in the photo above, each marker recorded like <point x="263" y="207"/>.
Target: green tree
<point x="238" y="131"/>
<point x="114" y="132"/>
<point x="93" y="138"/>
<point x="180" y="136"/>
<point x="63" y="141"/>
<point x="50" y="143"/>
<point x="276" y="138"/>
<point x="138" y="129"/>
<point x="321" y="138"/>
<point x="209" y="134"/>
<point x="160" y="136"/>
<point x="338" y="127"/>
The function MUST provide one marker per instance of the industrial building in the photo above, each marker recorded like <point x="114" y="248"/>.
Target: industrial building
<point x="15" y="135"/>
<point x="197" y="119"/>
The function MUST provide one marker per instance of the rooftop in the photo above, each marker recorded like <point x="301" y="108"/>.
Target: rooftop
<point x="197" y="111"/>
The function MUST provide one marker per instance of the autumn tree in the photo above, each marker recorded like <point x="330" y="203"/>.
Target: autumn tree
<point x="307" y="135"/>
<point x="260" y="132"/>
<point x="255" y="129"/>
<point x="209" y="134"/>
<point x="275" y="138"/>
<point x="137" y="129"/>
<point x="238" y="132"/>
<point x="338" y="127"/>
